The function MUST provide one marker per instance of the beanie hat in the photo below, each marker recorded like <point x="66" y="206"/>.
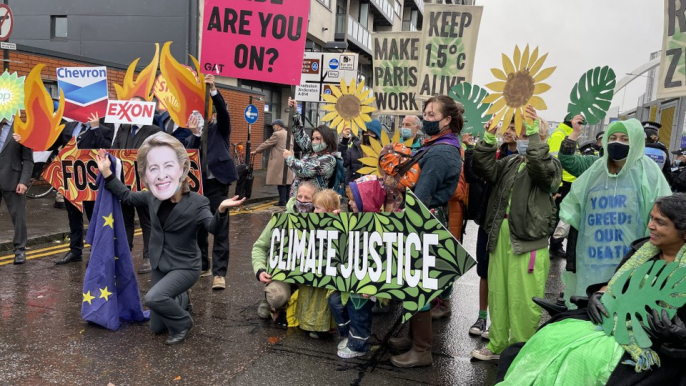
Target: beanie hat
<point x="616" y="127"/>
<point x="375" y="127"/>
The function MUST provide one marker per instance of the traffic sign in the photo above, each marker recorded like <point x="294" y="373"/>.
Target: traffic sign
<point x="320" y="70"/>
<point x="251" y="114"/>
<point x="6" y="22"/>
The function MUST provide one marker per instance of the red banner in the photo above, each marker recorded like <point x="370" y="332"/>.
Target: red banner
<point x="73" y="173"/>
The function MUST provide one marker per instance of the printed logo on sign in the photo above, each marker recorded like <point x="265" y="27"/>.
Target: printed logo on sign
<point x="333" y="64"/>
<point x="85" y="91"/>
<point x="130" y="112"/>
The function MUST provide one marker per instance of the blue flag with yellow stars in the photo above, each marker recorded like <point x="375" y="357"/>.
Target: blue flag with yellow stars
<point x="110" y="289"/>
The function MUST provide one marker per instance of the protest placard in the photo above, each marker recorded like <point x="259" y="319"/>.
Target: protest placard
<point x="73" y="172"/>
<point x="259" y="40"/>
<point x="130" y="112"/>
<point x="449" y="36"/>
<point x="408" y="256"/>
<point x="85" y="91"/>
<point x="672" y="79"/>
<point x="396" y="72"/>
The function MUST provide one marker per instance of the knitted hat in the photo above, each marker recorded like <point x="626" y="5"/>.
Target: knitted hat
<point x="616" y="127"/>
<point x="375" y="127"/>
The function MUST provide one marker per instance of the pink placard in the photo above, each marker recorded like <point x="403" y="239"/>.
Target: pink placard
<point x="255" y="39"/>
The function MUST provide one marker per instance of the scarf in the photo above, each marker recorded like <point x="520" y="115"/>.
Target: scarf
<point x="643" y="359"/>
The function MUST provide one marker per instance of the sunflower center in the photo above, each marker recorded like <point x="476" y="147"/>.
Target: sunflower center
<point x="519" y="88"/>
<point x="348" y="106"/>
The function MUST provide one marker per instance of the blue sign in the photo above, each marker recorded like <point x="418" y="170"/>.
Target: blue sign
<point x="251" y="114"/>
<point x="327" y="91"/>
<point x="315" y="66"/>
<point x="333" y="64"/>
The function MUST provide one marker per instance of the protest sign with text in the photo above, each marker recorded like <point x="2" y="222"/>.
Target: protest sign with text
<point x="85" y="91"/>
<point x="449" y="36"/>
<point x="408" y="256"/>
<point x="130" y="112"/>
<point x="73" y="172"/>
<point x="672" y="79"/>
<point x="258" y="40"/>
<point x="396" y="72"/>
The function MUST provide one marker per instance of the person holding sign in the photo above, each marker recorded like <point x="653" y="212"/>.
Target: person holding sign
<point x="320" y="152"/>
<point x="176" y="214"/>
<point x="519" y="219"/>
<point x="572" y="350"/>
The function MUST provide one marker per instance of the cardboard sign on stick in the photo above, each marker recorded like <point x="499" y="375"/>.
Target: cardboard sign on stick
<point x="85" y="91"/>
<point x="396" y="72"/>
<point x="130" y="112"/>
<point x="671" y="82"/>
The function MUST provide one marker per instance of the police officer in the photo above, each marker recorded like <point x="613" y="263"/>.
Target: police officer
<point x="679" y="171"/>
<point x="655" y="149"/>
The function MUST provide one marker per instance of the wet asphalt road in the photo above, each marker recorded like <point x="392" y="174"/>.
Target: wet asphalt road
<point x="43" y="340"/>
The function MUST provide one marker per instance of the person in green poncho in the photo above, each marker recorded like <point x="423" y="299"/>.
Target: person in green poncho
<point x="571" y="350"/>
<point x="519" y="219"/>
<point x="609" y="205"/>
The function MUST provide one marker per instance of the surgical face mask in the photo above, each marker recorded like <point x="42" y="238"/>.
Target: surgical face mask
<point x="317" y="147"/>
<point x="304" y="207"/>
<point x="522" y="145"/>
<point x="431" y="127"/>
<point x="617" y="151"/>
<point x="405" y="132"/>
<point x="678" y="162"/>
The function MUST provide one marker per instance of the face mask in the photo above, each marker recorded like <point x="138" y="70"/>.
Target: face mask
<point x="678" y="162"/>
<point x="617" y="151"/>
<point x="405" y="132"/>
<point x="522" y="145"/>
<point x="317" y="147"/>
<point x="304" y="207"/>
<point x="366" y="140"/>
<point x="431" y="127"/>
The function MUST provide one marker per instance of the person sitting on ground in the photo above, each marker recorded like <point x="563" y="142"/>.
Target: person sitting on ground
<point x="571" y="350"/>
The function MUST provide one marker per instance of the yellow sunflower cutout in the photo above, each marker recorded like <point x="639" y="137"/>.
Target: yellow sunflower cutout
<point x="518" y="85"/>
<point x="349" y="106"/>
<point x="371" y="161"/>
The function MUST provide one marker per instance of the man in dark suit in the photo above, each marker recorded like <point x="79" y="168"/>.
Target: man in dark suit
<point x="95" y="134"/>
<point x="217" y="175"/>
<point x="166" y="124"/>
<point x="16" y="166"/>
<point x="132" y="137"/>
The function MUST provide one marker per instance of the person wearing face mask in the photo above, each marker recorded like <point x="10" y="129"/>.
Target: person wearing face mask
<point x="276" y="293"/>
<point x="655" y="149"/>
<point x="679" y="171"/>
<point x="320" y="152"/>
<point x="609" y="205"/>
<point x="410" y="129"/>
<point x="519" y="219"/>
<point x="350" y="148"/>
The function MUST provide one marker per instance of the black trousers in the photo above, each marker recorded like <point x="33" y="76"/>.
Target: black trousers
<point x="563" y="191"/>
<point x="216" y="192"/>
<point x="283" y="193"/>
<point x="76" y="225"/>
<point x="16" y="206"/>
<point x="129" y="213"/>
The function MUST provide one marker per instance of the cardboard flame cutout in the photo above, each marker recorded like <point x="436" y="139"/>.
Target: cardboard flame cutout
<point x="142" y="87"/>
<point x="42" y="125"/>
<point x="183" y="84"/>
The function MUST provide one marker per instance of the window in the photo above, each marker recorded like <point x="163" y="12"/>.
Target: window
<point x="364" y="14"/>
<point x="58" y="27"/>
<point x="398" y="7"/>
<point x="326" y="3"/>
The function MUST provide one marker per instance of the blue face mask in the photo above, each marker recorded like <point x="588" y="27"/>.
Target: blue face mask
<point x="522" y="145"/>
<point x="405" y="132"/>
<point x="317" y="147"/>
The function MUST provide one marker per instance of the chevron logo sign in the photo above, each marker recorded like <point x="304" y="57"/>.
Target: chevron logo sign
<point x="85" y="91"/>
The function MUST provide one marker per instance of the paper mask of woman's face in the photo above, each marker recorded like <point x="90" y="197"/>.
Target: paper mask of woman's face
<point x="163" y="174"/>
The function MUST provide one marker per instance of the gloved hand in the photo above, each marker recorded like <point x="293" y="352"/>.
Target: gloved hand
<point x="669" y="331"/>
<point x="596" y="309"/>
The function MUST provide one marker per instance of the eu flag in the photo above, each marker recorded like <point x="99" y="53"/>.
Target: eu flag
<point x="110" y="289"/>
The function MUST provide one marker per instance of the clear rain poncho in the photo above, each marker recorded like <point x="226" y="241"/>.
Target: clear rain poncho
<point x="610" y="210"/>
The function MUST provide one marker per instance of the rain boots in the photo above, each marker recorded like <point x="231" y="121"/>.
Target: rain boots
<point x="422" y="339"/>
<point x="403" y="343"/>
<point x="441" y="310"/>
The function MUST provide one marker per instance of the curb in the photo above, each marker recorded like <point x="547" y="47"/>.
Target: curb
<point x="64" y="236"/>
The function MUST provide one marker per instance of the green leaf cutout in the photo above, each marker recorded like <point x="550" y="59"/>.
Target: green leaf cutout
<point x="474" y="111"/>
<point x="592" y="95"/>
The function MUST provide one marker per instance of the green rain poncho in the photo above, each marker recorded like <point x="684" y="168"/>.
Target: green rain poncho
<point x="610" y="210"/>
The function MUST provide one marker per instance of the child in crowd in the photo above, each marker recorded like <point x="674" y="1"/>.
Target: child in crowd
<point x="354" y="319"/>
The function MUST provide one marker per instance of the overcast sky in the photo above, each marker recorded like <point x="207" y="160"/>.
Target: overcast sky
<point x="578" y="35"/>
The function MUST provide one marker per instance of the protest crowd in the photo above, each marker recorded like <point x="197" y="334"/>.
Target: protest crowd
<point x="611" y="208"/>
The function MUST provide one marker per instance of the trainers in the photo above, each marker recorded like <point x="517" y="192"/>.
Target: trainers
<point x="347" y="353"/>
<point x="343" y="344"/>
<point x="478" y="328"/>
<point x="314" y="335"/>
<point x="263" y="309"/>
<point x="219" y="283"/>
<point x="485" y="335"/>
<point x="206" y="273"/>
<point x="484" y="354"/>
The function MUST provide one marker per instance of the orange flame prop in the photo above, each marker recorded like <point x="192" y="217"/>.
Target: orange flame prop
<point x="182" y="83"/>
<point x="42" y="126"/>
<point x="142" y="87"/>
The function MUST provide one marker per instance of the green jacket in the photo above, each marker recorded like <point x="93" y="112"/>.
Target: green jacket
<point x="532" y="215"/>
<point x="576" y="164"/>
<point x="260" y="250"/>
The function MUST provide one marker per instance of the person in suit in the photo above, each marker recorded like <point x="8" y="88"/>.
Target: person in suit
<point x="277" y="144"/>
<point x="132" y="137"/>
<point x="16" y="166"/>
<point x="218" y="172"/>
<point x="176" y="214"/>
<point x="165" y="123"/>
<point x="95" y="134"/>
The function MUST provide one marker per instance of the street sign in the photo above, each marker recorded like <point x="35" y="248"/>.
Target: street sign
<point x="6" y="23"/>
<point x="251" y="114"/>
<point x="321" y="70"/>
<point x="8" y="46"/>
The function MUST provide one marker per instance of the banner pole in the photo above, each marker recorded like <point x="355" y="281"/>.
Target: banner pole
<point x="288" y="138"/>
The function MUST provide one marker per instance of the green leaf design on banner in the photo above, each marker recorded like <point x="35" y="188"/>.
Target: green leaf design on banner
<point x="678" y="41"/>
<point x="592" y="95"/>
<point x="474" y="111"/>
<point x="657" y="286"/>
<point x="451" y="260"/>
